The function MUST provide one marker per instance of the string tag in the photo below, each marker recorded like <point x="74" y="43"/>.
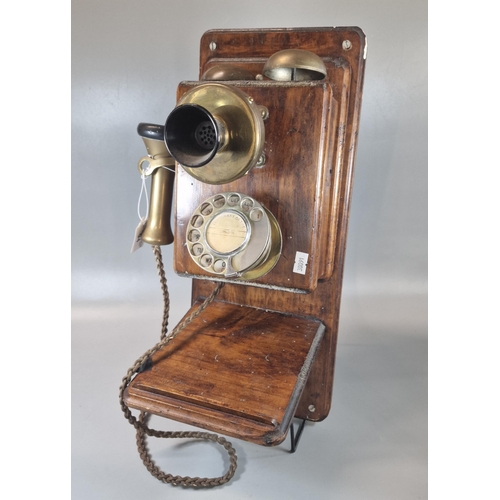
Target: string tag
<point x="138" y="242"/>
<point x="137" y="237"/>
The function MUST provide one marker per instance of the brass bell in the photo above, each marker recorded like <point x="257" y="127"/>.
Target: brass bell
<point x="294" y="65"/>
<point x="227" y="72"/>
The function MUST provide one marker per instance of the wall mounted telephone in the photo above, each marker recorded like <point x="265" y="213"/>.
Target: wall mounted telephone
<point x="263" y="149"/>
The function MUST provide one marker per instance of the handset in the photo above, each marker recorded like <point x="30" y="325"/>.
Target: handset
<point x="160" y="165"/>
<point x="232" y="235"/>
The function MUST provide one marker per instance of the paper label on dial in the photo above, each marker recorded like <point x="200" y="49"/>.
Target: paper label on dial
<point x="227" y="232"/>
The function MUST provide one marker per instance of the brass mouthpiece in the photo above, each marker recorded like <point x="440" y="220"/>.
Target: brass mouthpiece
<point x="216" y="132"/>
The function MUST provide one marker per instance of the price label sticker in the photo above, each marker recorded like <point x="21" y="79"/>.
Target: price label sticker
<point x="300" y="263"/>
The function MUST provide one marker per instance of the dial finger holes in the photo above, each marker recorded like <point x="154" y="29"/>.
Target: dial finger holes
<point x="197" y="249"/>
<point x="219" y="201"/>
<point x="206" y="260"/>
<point x="230" y="235"/>
<point x="246" y="204"/>
<point x="194" y="235"/>
<point x="219" y="266"/>
<point x="197" y="221"/>
<point x="233" y="200"/>
<point x="206" y="209"/>
<point x="256" y="214"/>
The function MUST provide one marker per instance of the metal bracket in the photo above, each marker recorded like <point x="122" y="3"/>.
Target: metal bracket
<point x="296" y="438"/>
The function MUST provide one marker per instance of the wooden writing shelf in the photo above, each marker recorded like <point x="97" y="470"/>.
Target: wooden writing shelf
<point x="236" y="370"/>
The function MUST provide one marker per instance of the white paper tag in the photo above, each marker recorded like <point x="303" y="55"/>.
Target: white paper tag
<point x="138" y="232"/>
<point x="300" y="264"/>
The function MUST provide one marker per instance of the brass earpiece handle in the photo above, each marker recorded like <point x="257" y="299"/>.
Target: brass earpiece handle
<point x="160" y="168"/>
<point x="158" y="230"/>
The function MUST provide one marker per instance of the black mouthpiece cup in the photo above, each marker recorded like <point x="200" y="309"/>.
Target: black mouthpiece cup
<point x="191" y="135"/>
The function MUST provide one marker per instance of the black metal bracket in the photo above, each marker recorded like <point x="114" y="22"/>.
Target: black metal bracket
<point x="296" y="438"/>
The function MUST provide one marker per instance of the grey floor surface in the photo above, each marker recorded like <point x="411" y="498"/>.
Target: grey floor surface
<point x="373" y="445"/>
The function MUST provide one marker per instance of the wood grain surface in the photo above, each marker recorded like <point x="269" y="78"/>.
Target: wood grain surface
<point x="241" y="368"/>
<point x="217" y="375"/>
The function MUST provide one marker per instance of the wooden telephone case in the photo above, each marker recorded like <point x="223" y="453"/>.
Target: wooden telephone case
<point x="263" y="352"/>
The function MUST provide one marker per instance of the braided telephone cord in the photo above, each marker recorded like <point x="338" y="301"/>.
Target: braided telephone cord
<point x="140" y="424"/>
<point x="164" y="289"/>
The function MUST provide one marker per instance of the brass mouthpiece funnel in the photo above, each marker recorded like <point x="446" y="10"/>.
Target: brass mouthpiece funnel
<point x="193" y="135"/>
<point x="216" y="132"/>
<point x="158" y="230"/>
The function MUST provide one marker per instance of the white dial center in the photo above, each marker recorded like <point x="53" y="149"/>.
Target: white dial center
<point x="226" y="232"/>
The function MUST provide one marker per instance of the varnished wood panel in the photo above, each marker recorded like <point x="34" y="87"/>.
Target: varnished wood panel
<point x="176" y="392"/>
<point x="247" y="44"/>
<point x="291" y="184"/>
<point x="324" y="302"/>
<point x="239" y="368"/>
<point x="333" y="142"/>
